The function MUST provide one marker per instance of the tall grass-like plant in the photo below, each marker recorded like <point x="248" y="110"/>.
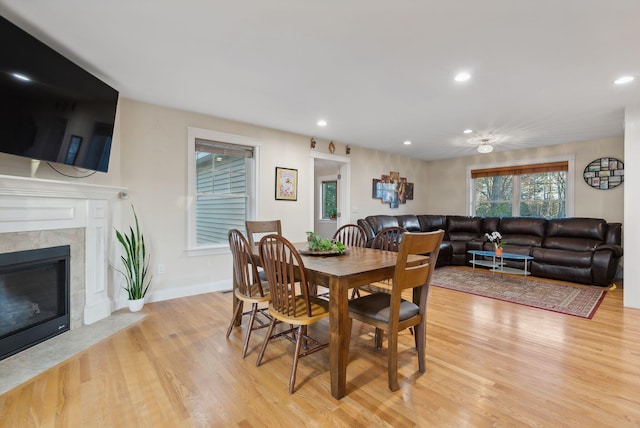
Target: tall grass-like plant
<point x="135" y="261"/>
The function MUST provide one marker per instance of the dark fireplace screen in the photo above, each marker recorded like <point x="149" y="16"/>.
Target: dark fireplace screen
<point x="34" y="297"/>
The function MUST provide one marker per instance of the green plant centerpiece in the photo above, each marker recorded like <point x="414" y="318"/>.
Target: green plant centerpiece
<point x="317" y="243"/>
<point x="135" y="261"/>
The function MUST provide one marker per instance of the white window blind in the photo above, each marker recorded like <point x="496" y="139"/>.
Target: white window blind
<point x="222" y="193"/>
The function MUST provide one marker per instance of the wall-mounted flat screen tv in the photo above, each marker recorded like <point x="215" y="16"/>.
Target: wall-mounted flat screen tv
<point x="50" y="108"/>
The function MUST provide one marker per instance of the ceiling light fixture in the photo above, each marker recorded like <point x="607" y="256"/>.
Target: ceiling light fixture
<point x="462" y="77"/>
<point x="485" y="147"/>
<point x="407" y="143"/>
<point x="322" y="123"/>
<point x="467" y="131"/>
<point x="624" y="79"/>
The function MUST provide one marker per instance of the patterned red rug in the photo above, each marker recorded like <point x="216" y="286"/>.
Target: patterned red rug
<point x="556" y="297"/>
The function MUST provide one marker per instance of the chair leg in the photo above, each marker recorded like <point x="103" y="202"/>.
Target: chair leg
<point x="235" y="317"/>
<point x="267" y="338"/>
<point x="378" y="338"/>
<point x="252" y="318"/>
<point x="421" y="345"/>
<point x="296" y="356"/>
<point x="355" y="293"/>
<point x="392" y="355"/>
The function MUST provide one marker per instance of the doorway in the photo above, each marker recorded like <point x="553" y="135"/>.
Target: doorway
<point x="329" y="169"/>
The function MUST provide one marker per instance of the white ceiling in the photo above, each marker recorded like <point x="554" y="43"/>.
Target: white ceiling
<point x="380" y="72"/>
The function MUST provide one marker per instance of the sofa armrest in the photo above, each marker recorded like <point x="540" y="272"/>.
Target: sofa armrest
<point x="616" y="249"/>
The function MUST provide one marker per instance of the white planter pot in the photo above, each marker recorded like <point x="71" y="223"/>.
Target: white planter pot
<point x="136" y="305"/>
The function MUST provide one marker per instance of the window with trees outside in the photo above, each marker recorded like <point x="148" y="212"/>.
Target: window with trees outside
<point x="538" y="190"/>
<point x="329" y="199"/>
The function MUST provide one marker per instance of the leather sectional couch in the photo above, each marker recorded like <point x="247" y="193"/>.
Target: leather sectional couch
<point x="582" y="250"/>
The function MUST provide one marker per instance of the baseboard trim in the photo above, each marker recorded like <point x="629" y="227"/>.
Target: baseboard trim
<point x="177" y="292"/>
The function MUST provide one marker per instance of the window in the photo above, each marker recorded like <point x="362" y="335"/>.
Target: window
<point x="221" y="187"/>
<point x="538" y="190"/>
<point x="329" y="199"/>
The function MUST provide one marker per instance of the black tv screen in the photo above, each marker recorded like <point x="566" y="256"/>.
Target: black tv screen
<point x="50" y="108"/>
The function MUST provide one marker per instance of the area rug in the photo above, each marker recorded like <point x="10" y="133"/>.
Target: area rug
<point x="551" y="296"/>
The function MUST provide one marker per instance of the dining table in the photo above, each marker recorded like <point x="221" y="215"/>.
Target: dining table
<point x="339" y="273"/>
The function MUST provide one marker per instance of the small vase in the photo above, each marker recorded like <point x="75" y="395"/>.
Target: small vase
<point x="136" y="305"/>
<point x="499" y="251"/>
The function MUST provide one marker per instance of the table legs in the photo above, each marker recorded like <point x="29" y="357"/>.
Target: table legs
<point x="339" y="336"/>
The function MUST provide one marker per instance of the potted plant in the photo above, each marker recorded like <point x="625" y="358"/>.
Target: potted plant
<point x="497" y="241"/>
<point x="136" y="265"/>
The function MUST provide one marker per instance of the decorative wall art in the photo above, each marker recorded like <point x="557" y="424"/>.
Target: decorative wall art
<point x="392" y="189"/>
<point x="286" y="184"/>
<point x="604" y="173"/>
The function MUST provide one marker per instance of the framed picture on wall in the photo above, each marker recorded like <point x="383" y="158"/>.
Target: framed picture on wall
<point x="286" y="184"/>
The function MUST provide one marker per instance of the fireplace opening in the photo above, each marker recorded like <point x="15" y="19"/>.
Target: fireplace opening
<point x="34" y="297"/>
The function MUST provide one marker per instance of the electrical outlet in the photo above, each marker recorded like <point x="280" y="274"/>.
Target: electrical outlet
<point x="160" y="268"/>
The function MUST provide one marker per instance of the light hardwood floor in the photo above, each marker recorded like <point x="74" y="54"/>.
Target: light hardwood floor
<point x="489" y="363"/>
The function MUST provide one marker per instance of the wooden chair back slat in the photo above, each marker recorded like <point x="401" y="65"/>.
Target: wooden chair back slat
<point x="261" y="228"/>
<point x="245" y="273"/>
<point x="389" y="239"/>
<point x="351" y="235"/>
<point x="285" y="273"/>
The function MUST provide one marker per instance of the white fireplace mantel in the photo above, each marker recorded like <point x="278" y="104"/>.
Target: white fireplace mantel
<point x="33" y="204"/>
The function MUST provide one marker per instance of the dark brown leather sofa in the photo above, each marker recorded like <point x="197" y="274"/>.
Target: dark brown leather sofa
<point x="582" y="250"/>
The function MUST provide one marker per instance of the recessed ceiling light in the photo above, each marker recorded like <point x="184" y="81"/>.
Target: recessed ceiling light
<point x="462" y="77"/>
<point x="624" y="79"/>
<point x="21" y="77"/>
<point x="467" y="131"/>
<point x="322" y="122"/>
<point x="407" y="143"/>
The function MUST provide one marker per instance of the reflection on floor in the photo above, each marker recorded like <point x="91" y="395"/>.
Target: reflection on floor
<point x="29" y="363"/>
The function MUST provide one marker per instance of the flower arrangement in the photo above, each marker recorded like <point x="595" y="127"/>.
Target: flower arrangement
<point x="495" y="238"/>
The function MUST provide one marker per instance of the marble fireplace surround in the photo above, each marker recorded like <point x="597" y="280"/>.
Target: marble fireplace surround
<point x="38" y="213"/>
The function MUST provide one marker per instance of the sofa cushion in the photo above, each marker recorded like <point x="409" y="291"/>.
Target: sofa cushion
<point x="522" y="226"/>
<point x="549" y="256"/>
<point x="461" y="228"/>
<point x="490" y="224"/>
<point x="524" y="231"/>
<point x="584" y="228"/>
<point x="430" y="223"/>
<point x="409" y="222"/>
<point x="379" y="222"/>
<point x="575" y="234"/>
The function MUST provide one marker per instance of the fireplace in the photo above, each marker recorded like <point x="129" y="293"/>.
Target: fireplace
<point x="34" y="297"/>
<point x="40" y="214"/>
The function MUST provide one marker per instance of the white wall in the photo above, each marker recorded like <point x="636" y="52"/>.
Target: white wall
<point x="632" y="206"/>
<point x="368" y="164"/>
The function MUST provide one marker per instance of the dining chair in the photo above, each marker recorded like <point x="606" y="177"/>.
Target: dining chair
<point x="261" y="228"/>
<point x="247" y="288"/>
<point x="390" y="312"/>
<point x="291" y="300"/>
<point x="351" y="235"/>
<point x="256" y="229"/>
<point x="388" y="239"/>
